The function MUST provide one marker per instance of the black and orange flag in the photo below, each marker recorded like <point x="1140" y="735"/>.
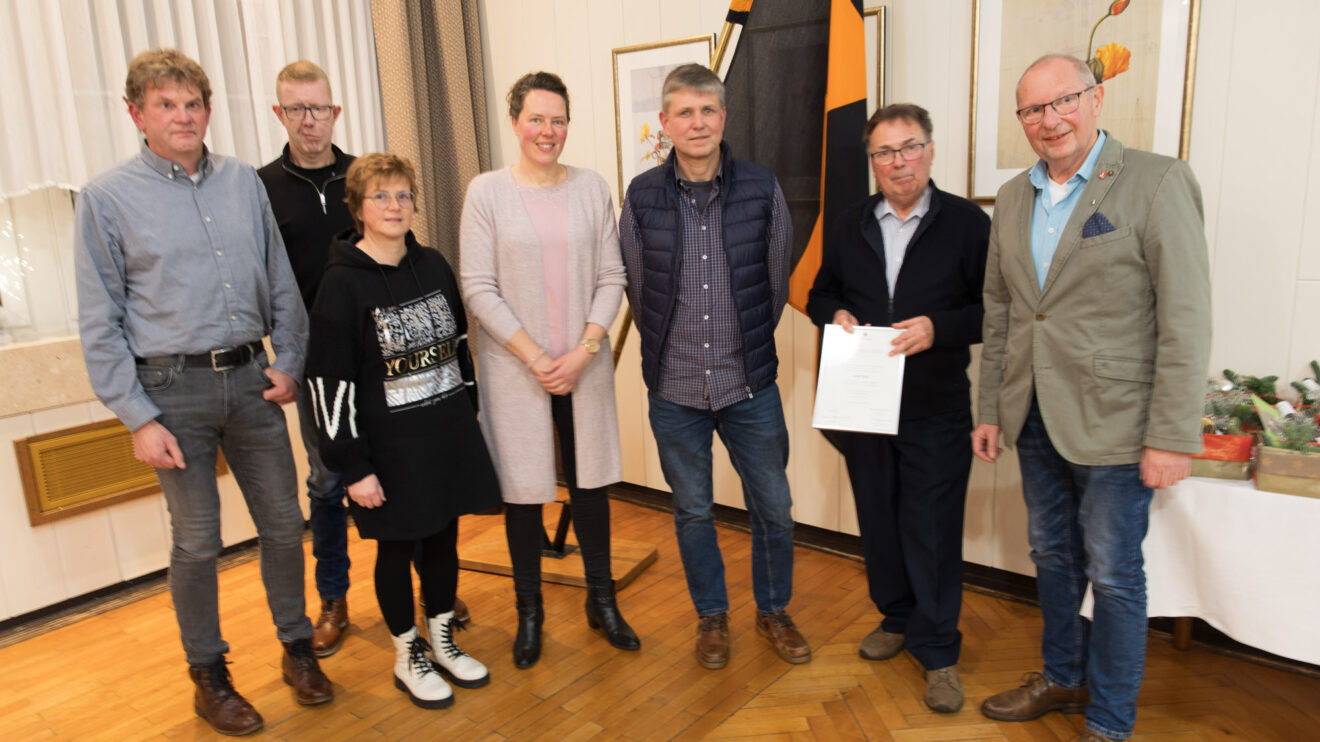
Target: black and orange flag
<point x="797" y="104"/>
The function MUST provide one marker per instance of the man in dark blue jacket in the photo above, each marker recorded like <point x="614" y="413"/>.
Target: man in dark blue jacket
<point x="911" y="257"/>
<point x="706" y="240"/>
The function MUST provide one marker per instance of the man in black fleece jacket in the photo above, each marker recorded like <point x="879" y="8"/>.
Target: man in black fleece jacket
<point x="911" y="257"/>
<point x="305" y="185"/>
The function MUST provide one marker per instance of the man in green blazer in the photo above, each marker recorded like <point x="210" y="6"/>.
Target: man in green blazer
<point x="1096" y="341"/>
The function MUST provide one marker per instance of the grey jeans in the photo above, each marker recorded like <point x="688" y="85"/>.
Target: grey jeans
<point x="206" y="410"/>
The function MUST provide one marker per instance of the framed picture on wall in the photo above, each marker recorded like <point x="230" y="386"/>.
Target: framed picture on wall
<point x="639" y="73"/>
<point x="1143" y="51"/>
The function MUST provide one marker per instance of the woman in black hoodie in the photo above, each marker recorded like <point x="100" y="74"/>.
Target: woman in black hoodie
<point x="393" y="393"/>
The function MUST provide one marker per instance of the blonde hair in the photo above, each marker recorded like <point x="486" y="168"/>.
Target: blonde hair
<point x="155" y="66"/>
<point x="368" y="169"/>
<point x="302" y="71"/>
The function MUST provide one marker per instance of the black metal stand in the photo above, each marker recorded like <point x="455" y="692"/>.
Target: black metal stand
<point x="559" y="548"/>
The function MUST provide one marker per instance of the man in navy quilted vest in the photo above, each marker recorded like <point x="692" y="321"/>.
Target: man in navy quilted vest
<point x="706" y="239"/>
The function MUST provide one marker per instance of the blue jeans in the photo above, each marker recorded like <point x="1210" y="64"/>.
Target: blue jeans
<point x="206" y="410"/>
<point x="1086" y="523"/>
<point x="329" y="515"/>
<point x="754" y="433"/>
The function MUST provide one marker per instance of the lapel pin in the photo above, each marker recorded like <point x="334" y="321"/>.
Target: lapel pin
<point x="1103" y="174"/>
<point x="1093" y="202"/>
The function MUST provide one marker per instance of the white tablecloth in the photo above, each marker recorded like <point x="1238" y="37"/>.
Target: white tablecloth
<point x="1245" y="561"/>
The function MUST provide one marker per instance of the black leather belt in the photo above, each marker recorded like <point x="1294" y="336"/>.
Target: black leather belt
<point x="220" y="359"/>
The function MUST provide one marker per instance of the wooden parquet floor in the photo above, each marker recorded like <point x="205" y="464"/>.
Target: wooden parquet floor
<point x="120" y="675"/>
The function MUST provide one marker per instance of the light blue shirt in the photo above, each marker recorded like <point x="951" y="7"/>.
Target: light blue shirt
<point x="1050" y="217"/>
<point x="169" y="264"/>
<point x="897" y="233"/>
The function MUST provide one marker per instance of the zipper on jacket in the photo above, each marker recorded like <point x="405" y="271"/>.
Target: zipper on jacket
<point x="320" y="193"/>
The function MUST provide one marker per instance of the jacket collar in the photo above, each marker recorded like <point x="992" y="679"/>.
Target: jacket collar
<point x="1108" y="166"/>
<point x="342" y="161"/>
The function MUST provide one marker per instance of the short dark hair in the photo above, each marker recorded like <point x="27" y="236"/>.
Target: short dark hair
<point x="909" y="112"/>
<point x="547" y="81"/>
<point x="368" y="169"/>
<point x="694" y="77"/>
<point x="153" y="67"/>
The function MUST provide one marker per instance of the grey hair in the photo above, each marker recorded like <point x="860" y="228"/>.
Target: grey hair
<point x="695" y="77"/>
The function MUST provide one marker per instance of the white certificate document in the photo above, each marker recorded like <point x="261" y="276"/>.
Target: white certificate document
<point x="860" y="386"/>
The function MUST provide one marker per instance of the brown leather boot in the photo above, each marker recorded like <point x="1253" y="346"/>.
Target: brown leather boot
<point x="713" y="641"/>
<point x="331" y="626"/>
<point x="303" y="672"/>
<point x="1036" y="697"/>
<point x="216" y="701"/>
<point x="783" y="633"/>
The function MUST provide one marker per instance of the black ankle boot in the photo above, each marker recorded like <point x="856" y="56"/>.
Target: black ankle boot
<point x="527" y="643"/>
<point x="603" y="613"/>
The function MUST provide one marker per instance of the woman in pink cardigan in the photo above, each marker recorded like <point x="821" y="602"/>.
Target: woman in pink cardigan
<point x="542" y="274"/>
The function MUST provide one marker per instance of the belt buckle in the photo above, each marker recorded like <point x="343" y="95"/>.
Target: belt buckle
<point x="216" y="354"/>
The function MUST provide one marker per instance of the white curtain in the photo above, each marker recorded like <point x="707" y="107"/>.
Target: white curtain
<point x="63" y="64"/>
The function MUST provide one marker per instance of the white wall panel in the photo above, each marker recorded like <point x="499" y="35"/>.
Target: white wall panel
<point x="1210" y="115"/>
<point x="30" y="568"/>
<point x="1306" y="335"/>
<point x="83" y="541"/>
<point x="1263" y="198"/>
<point x="141" y="535"/>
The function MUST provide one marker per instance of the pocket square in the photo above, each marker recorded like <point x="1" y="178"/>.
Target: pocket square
<point x="1097" y="225"/>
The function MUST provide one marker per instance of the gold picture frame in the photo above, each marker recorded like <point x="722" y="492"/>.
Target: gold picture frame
<point x="875" y="23"/>
<point x="1153" y="98"/>
<point x="639" y="71"/>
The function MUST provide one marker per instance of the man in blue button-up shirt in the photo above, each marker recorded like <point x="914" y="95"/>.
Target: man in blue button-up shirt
<point x="181" y="273"/>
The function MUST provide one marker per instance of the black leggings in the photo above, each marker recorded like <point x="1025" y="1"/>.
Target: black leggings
<point x="591" y="518"/>
<point x="437" y="567"/>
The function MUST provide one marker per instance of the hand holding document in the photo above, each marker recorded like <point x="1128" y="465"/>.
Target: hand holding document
<point x="860" y="386"/>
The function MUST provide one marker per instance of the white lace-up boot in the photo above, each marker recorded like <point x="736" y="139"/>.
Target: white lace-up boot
<point x="415" y="675"/>
<point x="457" y="665"/>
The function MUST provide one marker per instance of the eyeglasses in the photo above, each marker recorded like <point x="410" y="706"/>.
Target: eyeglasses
<point x="297" y="111"/>
<point x="1063" y="105"/>
<point x="908" y="152"/>
<point x="383" y="200"/>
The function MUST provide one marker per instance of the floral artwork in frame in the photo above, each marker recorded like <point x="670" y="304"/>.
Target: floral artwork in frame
<point x="1142" y="51"/>
<point x="639" y="73"/>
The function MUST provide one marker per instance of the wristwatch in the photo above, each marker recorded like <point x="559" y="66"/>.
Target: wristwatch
<point x="591" y="344"/>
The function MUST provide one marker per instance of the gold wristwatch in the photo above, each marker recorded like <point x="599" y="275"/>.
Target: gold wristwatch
<point x="591" y="344"/>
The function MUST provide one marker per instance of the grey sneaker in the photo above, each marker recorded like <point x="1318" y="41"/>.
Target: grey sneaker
<point x="944" y="691"/>
<point x="880" y="645"/>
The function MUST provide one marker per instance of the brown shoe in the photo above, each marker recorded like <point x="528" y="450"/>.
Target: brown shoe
<point x="789" y="642"/>
<point x="303" y="672"/>
<point x="713" y="641"/>
<point x="461" y="613"/>
<point x="216" y="701"/>
<point x="880" y="645"/>
<point x="1036" y="697"/>
<point x="1090" y="735"/>
<point x="944" y="692"/>
<point x="330" y="627"/>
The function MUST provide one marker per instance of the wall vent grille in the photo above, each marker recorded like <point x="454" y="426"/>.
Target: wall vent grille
<point x="82" y="468"/>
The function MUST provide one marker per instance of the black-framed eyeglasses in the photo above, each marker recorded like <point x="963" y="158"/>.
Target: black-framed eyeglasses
<point x="907" y="152"/>
<point x="383" y="199"/>
<point x="297" y="111"/>
<point x="1063" y="105"/>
